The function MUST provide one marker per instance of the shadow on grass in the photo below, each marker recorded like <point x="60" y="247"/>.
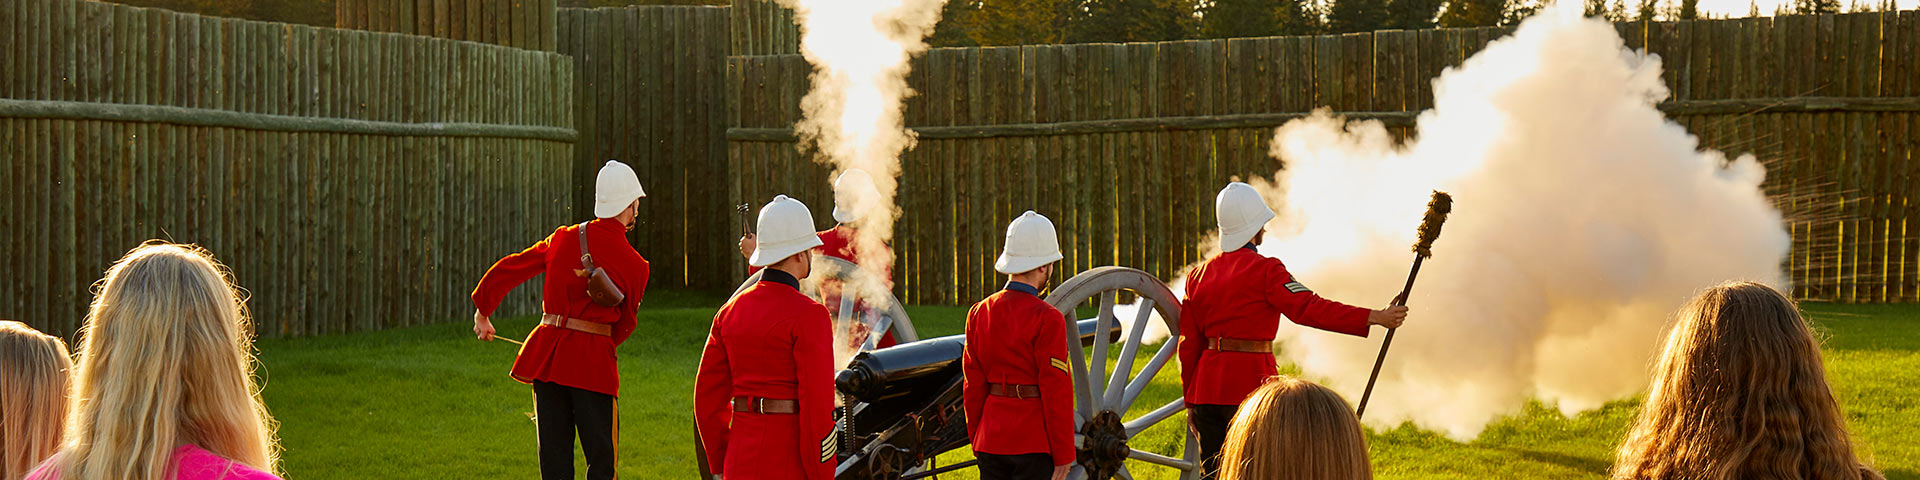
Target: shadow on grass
<point x="1901" y="474"/>
<point x="1585" y="464"/>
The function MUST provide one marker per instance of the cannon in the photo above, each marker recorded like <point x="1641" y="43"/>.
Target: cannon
<point x="902" y="405"/>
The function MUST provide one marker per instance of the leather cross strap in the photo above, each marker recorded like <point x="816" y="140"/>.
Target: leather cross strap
<point x="1015" y="391"/>
<point x="1224" y="344"/>
<point x="765" y="405"/>
<point x="577" y="325"/>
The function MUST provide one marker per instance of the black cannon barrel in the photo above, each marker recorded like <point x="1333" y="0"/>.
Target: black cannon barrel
<point x="893" y="371"/>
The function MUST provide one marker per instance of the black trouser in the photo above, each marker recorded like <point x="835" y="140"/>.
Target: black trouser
<point x="1210" y="424"/>
<point x="560" y="411"/>
<point x="1026" y="466"/>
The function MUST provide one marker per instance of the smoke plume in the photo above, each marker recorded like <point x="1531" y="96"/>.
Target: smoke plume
<point x="852" y="114"/>
<point x="1582" y="219"/>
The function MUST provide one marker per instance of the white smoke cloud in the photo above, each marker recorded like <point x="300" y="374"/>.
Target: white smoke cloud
<point x="852" y="112"/>
<point x="1582" y="219"/>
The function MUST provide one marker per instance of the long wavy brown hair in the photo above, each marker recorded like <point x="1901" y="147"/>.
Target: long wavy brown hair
<point x="1740" y="392"/>
<point x="33" y="396"/>
<point x="1294" y="429"/>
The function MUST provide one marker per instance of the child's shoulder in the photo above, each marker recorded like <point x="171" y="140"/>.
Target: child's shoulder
<point x="196" y="463"/>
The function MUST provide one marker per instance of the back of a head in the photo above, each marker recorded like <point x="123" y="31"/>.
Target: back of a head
<point x="1294" y="429"/>
<point x="1739" y="391"/>
<point x="33" y="394"/>
<point x="166" y="360"/>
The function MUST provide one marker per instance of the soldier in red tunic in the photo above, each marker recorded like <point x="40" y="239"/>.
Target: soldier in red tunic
<point x="1018" y="391"/>
<point x="763" y="398"/>
<point x="569" y="357"/>
<point x="1231" y="312"/>
<point x="854" y="198"/>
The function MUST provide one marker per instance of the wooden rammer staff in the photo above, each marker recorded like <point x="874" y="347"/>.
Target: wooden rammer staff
<point x="1437" y="211"/>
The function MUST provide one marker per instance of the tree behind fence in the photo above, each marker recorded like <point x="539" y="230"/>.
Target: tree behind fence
<point x="351" y="180"/>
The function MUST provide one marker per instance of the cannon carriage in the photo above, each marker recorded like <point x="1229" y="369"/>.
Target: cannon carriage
<point x="902" y="405"/>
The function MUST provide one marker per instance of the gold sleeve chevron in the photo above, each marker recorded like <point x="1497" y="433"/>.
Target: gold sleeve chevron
<point x="1062" y="365"/>
<point x="828" y="446"/>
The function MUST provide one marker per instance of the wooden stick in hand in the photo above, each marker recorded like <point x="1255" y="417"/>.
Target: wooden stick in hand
<point x="1437" y="211"/>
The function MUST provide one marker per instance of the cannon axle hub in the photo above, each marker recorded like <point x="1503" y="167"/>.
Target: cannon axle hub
<point x="1106" y="445"/>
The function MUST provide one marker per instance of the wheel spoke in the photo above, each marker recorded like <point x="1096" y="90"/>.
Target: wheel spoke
<point x="1158" y="459"/>
<point x="1140" y="381"/>
<point x="1085" y="404"/>
<point x="846" y="306"/>
<point x="1191" y="453"/>
<point x="1098" y="371"/>
<point x="879" y="330"/>
<point x="1123" y="473"/>
<point x="1115" y="384"/>
<point x="1155" y="417"/>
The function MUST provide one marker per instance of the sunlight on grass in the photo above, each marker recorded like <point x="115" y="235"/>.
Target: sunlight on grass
<point x="400" y="403"/>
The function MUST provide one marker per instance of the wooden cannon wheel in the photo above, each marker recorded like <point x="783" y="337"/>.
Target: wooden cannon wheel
<point x="1103" y="396"/>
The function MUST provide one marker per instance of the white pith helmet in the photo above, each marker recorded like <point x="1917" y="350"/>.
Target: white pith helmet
<point x="615" y="188"/>
<point x="785" y="229"/>
<point x="853" y="195"/>
<point x="1031" y="243"/>
<point x="1240" y="213"/>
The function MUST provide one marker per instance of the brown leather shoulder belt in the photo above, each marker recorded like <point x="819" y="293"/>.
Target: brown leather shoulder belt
<point x="1015" y="391"/>
<point x="765" y="405"/>
<point x="1224" y="344"/>
<point x="577" y="325"/>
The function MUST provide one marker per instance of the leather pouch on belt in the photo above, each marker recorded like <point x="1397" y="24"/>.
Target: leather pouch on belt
<point x="600" y="287"/>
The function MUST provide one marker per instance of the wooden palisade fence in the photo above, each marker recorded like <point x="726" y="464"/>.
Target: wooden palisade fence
<point x="763" y="27"/>
<point x="351" y="180"/>
<point x="527" y="24"/>
<point x="650" y="96"/>
<point x="1125" y="145"/>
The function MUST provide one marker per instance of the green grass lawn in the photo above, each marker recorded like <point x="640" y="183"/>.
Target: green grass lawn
<point x="433" y="402"/>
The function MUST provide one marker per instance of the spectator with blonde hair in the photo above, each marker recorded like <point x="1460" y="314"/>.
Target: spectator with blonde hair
<point x="1740" y="392"/>
<point x="164" y="385"/>
<point x="33" y="396"/>
<point x="1294" y="429"/>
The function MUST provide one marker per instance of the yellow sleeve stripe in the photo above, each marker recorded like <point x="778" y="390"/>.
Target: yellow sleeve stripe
<point x="828" y="446"/>
<point x="1062" y="365"/>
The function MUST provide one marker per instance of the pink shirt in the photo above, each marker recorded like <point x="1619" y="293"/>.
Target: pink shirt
<point x="193" y="464"/>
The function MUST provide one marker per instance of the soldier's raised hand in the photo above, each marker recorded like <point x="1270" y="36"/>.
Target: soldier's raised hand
<point x="747" y="243"/>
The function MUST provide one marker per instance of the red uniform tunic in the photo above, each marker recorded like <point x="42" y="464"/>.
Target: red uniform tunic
<point x="769" y="342"/>
<point x="569" y="357"/>
<point x="1015" y="338"/>
<point x="1241" y="294"/>
<point x="837" y="242"/>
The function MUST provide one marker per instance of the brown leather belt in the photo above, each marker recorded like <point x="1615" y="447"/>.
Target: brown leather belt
<point x="765" y="405"/>
<point x="1015" y="391"/>
<point x="577" y="325"/>
<point x="1224" y="344"/>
